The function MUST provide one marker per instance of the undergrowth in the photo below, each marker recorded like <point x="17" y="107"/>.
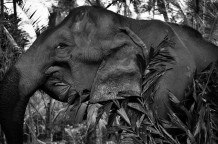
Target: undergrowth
<point x="134" y="121"/>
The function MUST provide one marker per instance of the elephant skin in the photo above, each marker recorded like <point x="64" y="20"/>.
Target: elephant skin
<point x="95" y="49"/>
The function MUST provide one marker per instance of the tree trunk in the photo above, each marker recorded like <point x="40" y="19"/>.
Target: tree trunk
<point x="2" y="8"/>
<point x="125" y="9"/>
<point x="1" y="16"/>
<point x="162" y="9"/>
<point x="15" y="9"/>
<point x="48" y="119"/>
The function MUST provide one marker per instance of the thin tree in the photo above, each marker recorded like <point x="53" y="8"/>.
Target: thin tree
<point x="2" y="8"/>
<point x="15" y="9"/>
<point x="162" y="9"/>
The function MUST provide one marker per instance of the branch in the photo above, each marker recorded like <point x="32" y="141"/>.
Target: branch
<point x="90" y="3"/>
<point x="113" y="2"/>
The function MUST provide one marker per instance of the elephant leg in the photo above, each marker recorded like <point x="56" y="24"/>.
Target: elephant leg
<point x="175" y="80"/>
<point x="12" y="107"/>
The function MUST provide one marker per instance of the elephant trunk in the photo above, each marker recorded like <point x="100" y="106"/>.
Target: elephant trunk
<point x="12" y="107"/>
<point x="18" y="84"/>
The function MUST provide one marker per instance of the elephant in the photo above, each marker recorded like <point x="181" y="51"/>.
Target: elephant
<point x="96" y="50"/>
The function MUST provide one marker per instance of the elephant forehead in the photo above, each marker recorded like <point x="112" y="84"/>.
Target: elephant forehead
<point x="56" y="36"/>
<point x="80" y="22"/>
<point x="79" y="25"/>
<point x="87" y="21"/>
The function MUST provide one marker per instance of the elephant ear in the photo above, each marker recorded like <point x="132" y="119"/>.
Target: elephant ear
<point x="120" y="73"/>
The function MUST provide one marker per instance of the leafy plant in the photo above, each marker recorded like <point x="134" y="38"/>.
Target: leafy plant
<point x="133" y="121"/>
<point x="10" y="47"/>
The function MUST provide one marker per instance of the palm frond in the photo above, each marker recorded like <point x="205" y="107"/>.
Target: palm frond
<point x="31" y="14"/>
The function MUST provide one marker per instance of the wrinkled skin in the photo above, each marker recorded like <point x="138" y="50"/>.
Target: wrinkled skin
<point x="96" y="49"/>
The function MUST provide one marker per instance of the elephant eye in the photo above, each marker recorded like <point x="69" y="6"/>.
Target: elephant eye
<point x="61" y="46"/>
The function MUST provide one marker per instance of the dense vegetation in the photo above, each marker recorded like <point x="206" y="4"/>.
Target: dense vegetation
<point x="129" y="120"/>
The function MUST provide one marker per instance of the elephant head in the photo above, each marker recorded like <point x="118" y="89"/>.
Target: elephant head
<point x="87" y="51"/>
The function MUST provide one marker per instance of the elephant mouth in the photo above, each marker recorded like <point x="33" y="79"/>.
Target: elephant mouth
<point x="61" y="90"/>
<point x="60" y="87"/>
<point x="65" y="92"/>
<point x="78" y="100"/>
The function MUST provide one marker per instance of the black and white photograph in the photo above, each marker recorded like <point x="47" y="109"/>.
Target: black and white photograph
<point x="108" y="71"/>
